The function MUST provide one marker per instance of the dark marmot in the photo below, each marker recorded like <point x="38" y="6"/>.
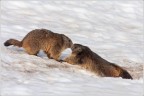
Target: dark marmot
<point x="86" y="58"/>
<point x="51" y="43"/>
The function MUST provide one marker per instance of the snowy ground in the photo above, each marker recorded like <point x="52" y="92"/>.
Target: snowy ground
<point x="112" y="29"/>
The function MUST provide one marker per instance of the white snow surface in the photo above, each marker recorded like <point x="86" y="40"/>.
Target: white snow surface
<point x="113" y="29"/>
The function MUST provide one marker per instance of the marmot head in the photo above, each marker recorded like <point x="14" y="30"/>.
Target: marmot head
<point x="78" y="49"/>
<point x="67" y="41"/>
<point x="80" y="53"/>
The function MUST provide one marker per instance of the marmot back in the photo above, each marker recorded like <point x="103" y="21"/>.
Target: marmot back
<point x="51" y="43"/>
<point x="86" y="58"/>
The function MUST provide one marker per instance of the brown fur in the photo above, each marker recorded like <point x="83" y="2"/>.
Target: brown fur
<point x="51" y="43"/>
<point x="86" y="58"/>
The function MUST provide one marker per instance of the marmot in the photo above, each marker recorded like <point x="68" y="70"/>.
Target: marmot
<point x="51" y="43"/>
<point x="83" y="56"/>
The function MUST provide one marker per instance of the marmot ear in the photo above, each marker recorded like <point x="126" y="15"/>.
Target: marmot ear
<point x="64" y="37"/>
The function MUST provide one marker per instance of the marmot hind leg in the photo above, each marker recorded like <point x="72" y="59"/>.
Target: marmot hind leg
<point x="32" y="50"/>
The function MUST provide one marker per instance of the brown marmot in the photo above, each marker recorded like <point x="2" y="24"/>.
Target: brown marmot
<point x="86" y="58"/>
<point x="51" y="43"/>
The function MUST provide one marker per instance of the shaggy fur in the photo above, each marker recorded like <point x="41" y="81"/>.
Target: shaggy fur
<point x="83" y="56"/>
<point x="51" y="43"/>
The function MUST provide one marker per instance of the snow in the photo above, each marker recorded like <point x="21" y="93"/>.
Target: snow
<point x="112" y="29"/>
